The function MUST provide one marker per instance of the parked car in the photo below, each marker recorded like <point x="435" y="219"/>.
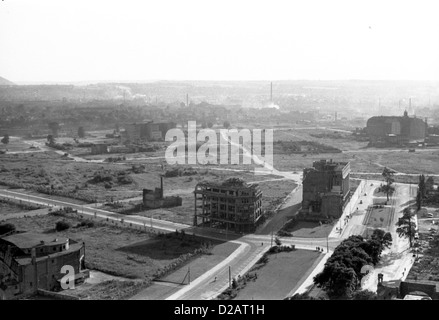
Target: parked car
<point x="429" y="215"/>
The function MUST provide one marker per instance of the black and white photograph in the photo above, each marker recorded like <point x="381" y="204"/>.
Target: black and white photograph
<point x="216" y="156"/>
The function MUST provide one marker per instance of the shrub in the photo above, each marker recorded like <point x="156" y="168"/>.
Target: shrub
<point x="62" y="225"/>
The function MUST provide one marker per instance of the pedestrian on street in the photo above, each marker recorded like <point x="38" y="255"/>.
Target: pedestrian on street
<point x="214" y="280"/>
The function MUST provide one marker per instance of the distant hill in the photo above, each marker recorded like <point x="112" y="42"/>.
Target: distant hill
<point x="5" y="82"/>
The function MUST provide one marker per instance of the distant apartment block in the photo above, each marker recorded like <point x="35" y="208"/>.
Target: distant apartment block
<point x="325" y="190"/>
<point x="148" y="130"/>
<point x="30" y="261"/>
<point x="233" y="205"/>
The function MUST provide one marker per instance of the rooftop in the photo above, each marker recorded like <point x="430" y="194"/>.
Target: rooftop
<point x="232" y="183"/>
<point x="28" y="240"/>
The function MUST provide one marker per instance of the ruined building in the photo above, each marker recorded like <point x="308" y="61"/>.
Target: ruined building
<point x="153" y="199"/>
<point x="30" y="261"/>
<point x="396" y="130"/>
<point x="325" y="190"/>
<point x="99" y="148"/>
<point x="231" y="205"/>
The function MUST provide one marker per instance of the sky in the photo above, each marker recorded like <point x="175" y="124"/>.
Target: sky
<point x="130" y="40"/>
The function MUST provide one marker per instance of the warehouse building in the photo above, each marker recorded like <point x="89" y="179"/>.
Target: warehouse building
<point x="396" y="130"/>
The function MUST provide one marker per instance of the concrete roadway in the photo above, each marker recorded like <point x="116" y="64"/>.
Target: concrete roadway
<point x="250" y="250"/>
<point x="251" y="247"/>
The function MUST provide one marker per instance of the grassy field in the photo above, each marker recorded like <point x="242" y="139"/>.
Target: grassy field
<point x="117" y="251"/>
<point x="379" y="218"/>
<point x="282" y="273"/>
<point x="7" y="208"/>
<point x="16" y="145"/>
<point x="307" y="229"/>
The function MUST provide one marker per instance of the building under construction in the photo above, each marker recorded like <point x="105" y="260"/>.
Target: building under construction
<point x="232" y="205"/>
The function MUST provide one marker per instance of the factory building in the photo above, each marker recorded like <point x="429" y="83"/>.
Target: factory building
<point x="232" y="205"/>
<point x="396" y="130"/>
<point x="326" y="190"/>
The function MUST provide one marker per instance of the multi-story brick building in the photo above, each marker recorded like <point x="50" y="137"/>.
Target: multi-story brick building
<point x="232" y="205"/>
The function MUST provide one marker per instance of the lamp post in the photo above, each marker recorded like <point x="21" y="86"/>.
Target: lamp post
<point x="327" y="243"/>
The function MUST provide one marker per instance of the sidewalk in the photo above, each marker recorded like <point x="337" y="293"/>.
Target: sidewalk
<point x="211" y="273"/>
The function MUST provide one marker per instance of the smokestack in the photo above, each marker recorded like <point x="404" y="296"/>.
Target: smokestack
<point x="161" y="186"/>
<point x="271" y="91"/>
<point x="187" y="99"/>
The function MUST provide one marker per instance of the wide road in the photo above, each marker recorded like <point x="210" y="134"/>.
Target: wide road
<point x="251" y="246"/>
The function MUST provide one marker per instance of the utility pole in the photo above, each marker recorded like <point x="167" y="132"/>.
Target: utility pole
<point x="327" y="243"/>
<point x="230" y="277"/>
<point x="189" y="275"/>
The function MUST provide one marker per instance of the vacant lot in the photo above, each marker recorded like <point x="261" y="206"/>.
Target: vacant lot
<point x="283" y="272"/>
<point x="306" y="229"/>
<point x="117" y="251"/>
<point x="7" y="208"/>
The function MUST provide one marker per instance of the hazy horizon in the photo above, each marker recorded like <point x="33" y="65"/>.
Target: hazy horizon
<point x="49" y="42"/>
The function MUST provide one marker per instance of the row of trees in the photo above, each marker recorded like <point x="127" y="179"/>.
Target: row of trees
<point x="342" y="274"/>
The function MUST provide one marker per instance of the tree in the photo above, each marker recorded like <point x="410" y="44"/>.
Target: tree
<point x="209" y="124"/>
<point x="422" y="186"/>
<point x="388" y="177"/>
<point x="405" y="225"/>
<point x="5" y="139"/>
<point x="338" y="280"/>
<point x="54" y="127"/>
<point x="81" y="132"/>
<point x="62" y="225"/>
<point x="385" y="238"/>
<point x="277" y="241"/>
<point x="226" y="124"/>
<point x="303" y="296"/>
<point x="419" y="200"/>
<point x="365" y="295"/>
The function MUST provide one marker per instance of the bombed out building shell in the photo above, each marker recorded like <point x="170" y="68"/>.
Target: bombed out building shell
<point x="326" y="190"/>
<point x="232" y="205"/>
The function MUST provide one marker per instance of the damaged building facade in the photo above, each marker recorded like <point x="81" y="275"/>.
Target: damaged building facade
<point x="154" y="199"/>
<point x="30" y="261"/>
<point x="326" y="190"/>
<point x="232" y="205"/>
